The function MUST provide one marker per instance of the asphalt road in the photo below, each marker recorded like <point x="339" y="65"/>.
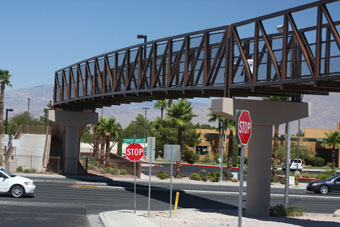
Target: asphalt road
<point x="65" y="203"/>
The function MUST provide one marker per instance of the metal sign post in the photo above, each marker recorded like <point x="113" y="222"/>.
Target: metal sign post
<point x="150" y="159"/>
<point x="171" y="153"/>
<point x="134" y="187"/>
<point x="244" y="128"/>
<point x="171" y="173"/>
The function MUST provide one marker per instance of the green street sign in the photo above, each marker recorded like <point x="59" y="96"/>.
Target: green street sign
<point x="136" y="140"/>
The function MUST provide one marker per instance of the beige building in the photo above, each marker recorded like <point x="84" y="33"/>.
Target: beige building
<point x="313" y="138"/>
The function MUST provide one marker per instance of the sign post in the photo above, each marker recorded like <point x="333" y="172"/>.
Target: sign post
<point x="244" y="127"/>
<point x="134" y="152"/>
<point x="150" y="158"/>
<point x="171" y="153"/>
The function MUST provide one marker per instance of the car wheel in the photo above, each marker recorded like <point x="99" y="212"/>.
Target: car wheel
<point x="323" y="189"/>
<point x="17" y="191"/>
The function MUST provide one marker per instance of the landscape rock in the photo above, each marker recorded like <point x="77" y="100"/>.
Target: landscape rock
<point x="336" y="213"/>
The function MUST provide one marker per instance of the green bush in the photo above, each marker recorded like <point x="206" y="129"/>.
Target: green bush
<point x="316" y="162"/>
<point x="324" y="176"/>
<point x="272" y="179"/>
<point x="91" y="167"/>
<point x="189" y="156"/>
<point x="214" y="176"/>
<point x="204" y="178"/>
<point x="112" y="165"/>
<point x="278" y="211"/>
<point x="33" y="170"/>
<point x="234" y="180"/>
<point x="0" y="160"/>
<point x="330" y="172"/>
<point x="203" y="172"/>
<point x="26" y="170"/>
<point x="115" y="171"/>
<point x="93" y="162"/>
<point x="19" y="169"/>
<point x="195" y="176"/>
<point x="162" y="175"/>
<point x="207" y="159"/>
<point x="107" y="170"/>
<point x="123" y="172"/>
<point x="283" y="180"/>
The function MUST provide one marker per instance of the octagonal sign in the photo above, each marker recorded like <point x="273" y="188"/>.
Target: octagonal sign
<point x="134" y="152"/>
<point x="244" y="125"/>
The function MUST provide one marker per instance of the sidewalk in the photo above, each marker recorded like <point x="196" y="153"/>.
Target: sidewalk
<point x="125" y="218"/>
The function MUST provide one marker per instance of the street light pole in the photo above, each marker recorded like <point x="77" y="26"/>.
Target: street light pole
<point x="28" y="105"/>
<point x="145" y="108"/>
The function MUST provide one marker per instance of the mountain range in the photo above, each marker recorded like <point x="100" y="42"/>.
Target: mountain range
<point x="325" y="111"/>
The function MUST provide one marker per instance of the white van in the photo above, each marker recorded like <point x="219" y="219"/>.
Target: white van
<point x="294" y="164"/>
<point x="15" y="185"/>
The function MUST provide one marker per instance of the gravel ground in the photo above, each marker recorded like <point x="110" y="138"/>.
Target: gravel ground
<point x="209" y="218"/>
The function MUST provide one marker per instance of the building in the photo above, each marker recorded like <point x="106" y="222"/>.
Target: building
<point x="312" y="138"/>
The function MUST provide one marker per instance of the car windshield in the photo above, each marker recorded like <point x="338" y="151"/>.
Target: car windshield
<point x="331" y="178"/>
<point x="8" y="173"/>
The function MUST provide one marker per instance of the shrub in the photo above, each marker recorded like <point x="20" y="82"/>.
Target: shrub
<point x="203" y="172"/>
<point x="278" y="211"/>
<point x="115" y="171"/>
<point x="206" y="159"/>
<point x="204" y="178"/>
<point x="162" y="175"/>
<point x="234" y="180"/>
<point x="26" y="170"/>
<point x="107" y="170"/>
<point x="214" y="176"/>
<point x="195" y="176"/>
<point x="189" y="156"/>
<point x="93" y="162"/>
<point x="294" y="211"/>
<point x="317" y="161"/>
<point x="19" y="169"/>
<point x="272" y="179"/>
<point x="324" y="176"/>
<point x="283" y="180"/>
<point x="112" y="165"/>
<point x="0" y="160"/>
<point x="91" y="167"/>
<point x="330" y="172"/>
<point x="33" y="170"/>
<point x="123" y="172"/>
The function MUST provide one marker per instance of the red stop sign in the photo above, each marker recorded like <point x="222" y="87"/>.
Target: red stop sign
<point x="134" y="152"/>
<point x="244" y="127"/>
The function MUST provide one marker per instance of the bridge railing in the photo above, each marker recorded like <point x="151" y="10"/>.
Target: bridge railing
<point x="241" y="59"/>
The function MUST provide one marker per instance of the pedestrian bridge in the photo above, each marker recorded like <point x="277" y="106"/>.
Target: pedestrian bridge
<point x="249" y="58"/>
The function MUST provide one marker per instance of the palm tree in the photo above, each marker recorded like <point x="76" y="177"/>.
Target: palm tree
<point x="276" y="134"/>
<point x="179" y="116"/>
<point x="333" y="140"/>
<point x="112" y="130"/>
<point x="231" y="125"/>
<point x="4" y="81"/>
<point x="162" y="104"/>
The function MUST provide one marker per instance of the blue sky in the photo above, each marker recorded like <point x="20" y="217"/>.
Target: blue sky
<point x="39" y="37"/>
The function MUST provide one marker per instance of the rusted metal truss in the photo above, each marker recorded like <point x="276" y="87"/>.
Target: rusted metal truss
<point x="213" y="62"/>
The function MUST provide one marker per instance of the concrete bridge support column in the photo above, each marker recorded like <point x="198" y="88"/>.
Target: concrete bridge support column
<point x="264" y="115"/>
<point x="69" y="127"/>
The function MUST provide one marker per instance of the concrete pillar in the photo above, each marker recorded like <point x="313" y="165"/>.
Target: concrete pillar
<point x="70" y="123"/>
<point x="264" y="115"/>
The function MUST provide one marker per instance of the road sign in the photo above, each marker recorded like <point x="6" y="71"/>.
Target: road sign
<point x="244" y="125"/>
<point x="139" y="140"/>
<point x="134" y="152"/>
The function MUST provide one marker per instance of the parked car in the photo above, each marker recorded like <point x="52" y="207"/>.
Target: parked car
<point x="15" y="185"/>
<point x="325" y="186"/>
<point x="294" y="164"/>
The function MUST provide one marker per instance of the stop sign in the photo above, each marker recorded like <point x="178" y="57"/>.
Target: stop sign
<point x="244" y="127"/>
<point x="134" y="152"/>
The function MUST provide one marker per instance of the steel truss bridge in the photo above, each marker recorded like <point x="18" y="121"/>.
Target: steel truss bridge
<point x="248" y="58"/>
